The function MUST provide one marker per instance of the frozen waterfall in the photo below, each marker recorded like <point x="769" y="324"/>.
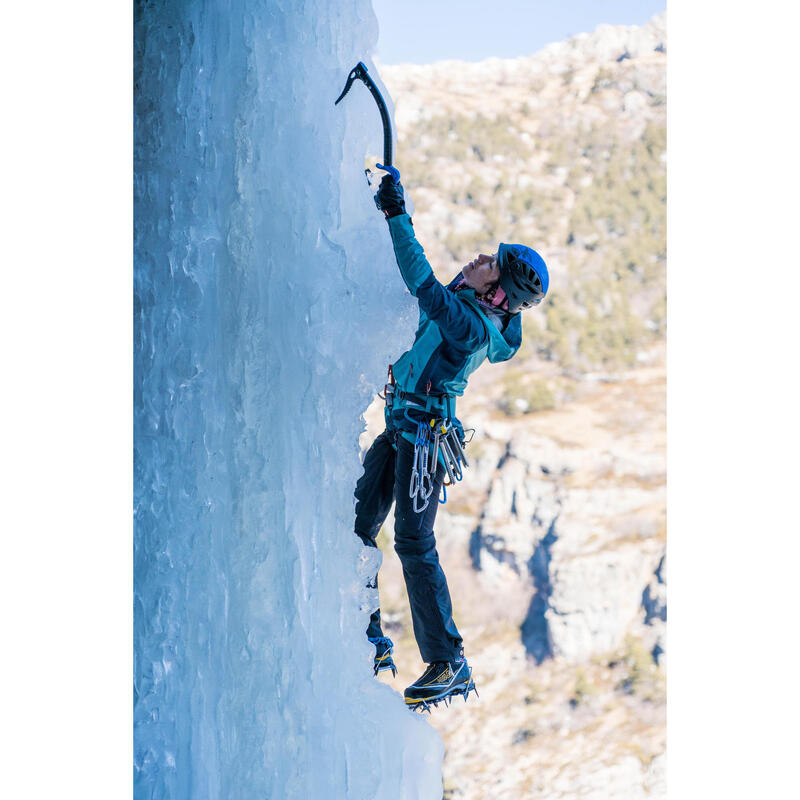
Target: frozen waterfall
<point x="267" y="305"/>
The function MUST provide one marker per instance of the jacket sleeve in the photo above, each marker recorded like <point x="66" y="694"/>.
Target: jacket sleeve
<point x="457" y="321"/>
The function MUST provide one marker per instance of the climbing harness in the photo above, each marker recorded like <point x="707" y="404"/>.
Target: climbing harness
<point x="437" y="441"/>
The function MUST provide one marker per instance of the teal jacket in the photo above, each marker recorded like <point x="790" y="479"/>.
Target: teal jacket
<point x="454" y="337"/>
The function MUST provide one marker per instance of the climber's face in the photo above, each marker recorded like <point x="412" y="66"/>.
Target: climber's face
<point x="482" y="273"/>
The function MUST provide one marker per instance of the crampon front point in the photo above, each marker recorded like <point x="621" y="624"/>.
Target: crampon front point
<point x="445" y="696"/>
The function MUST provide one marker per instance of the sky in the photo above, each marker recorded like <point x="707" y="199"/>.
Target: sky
<point x="423" y="31"/>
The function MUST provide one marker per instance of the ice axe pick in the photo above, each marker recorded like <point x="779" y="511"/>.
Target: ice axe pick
<point x="361" y="73"/>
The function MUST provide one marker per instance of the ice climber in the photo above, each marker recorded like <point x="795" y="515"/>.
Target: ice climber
<point x="475" y="317"/>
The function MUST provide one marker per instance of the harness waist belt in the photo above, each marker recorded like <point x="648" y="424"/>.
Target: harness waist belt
<point x="428" y="402"/>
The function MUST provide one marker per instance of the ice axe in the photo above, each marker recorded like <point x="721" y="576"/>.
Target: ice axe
<point x="360" y="71"/>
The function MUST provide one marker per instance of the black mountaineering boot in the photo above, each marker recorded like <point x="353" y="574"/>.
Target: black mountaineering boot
<point x="383" y="655"/>
<point x="442" y="680"/>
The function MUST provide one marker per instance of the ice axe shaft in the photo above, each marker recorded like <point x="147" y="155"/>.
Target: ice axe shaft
<point x="360" y="72"/>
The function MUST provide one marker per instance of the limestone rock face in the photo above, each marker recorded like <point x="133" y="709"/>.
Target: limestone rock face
<point x="590" y="550"/>
<point x="596" y="597"/>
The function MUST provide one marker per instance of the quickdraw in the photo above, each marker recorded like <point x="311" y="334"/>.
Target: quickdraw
<point x="421" y="486"/>
<point x="446" y="443"/>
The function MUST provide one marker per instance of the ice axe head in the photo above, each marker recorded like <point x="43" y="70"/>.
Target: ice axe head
<point x="359" y="71"/>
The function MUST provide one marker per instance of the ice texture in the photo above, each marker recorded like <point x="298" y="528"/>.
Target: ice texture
<point x="267" y="306"/>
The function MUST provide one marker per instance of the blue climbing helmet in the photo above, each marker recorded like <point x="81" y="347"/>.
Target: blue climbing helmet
<point x="523" y="276"/>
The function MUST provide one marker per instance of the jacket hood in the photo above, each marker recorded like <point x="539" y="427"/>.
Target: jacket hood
<point x="502" y="344"/>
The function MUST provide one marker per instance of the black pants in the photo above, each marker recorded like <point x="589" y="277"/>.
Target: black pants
<point x="387" y="475"/>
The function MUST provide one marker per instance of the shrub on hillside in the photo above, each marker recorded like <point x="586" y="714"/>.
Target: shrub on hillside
<point x="523" y="394"/>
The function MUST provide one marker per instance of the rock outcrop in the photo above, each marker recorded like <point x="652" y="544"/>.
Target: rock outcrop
<point x="589" y="548"/>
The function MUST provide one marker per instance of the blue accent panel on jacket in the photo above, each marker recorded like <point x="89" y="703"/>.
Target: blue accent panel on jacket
<point x="437" y="368"/>
<point x="408" y="368"/>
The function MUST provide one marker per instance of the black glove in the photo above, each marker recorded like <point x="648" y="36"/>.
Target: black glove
<point x="390" y="198"/>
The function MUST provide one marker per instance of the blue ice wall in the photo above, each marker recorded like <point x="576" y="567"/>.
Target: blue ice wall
<point x="267" y="306"/>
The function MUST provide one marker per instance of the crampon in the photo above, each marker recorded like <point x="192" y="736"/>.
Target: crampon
<point x="440" y="683"/>
<point x="383" y="655"/>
